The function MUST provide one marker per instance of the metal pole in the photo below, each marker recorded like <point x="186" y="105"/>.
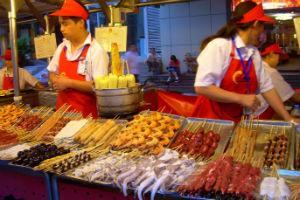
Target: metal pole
<point x="13" y="42"/>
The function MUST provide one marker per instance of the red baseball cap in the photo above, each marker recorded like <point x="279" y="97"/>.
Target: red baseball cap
<point x="256" y="14"/>
<point x="272" y="48"/>
<point x="71" y="8"/>
<point x="7" y="55"/>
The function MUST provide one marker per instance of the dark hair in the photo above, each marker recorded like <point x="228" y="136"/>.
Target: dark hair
<point x="230" y="29"/>
<point x="173" y="57"/>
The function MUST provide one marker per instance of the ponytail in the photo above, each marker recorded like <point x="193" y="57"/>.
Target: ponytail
<point x="231" y="28"/>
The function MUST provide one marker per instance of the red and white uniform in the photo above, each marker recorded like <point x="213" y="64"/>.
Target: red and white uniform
<point x="25" y="79"/>
<point x="86" y="63"/>
<point x="284" y="90"/>
<point x="220" y="65"/>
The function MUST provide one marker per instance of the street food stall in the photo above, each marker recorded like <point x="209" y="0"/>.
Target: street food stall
<point x="153" y="154"/>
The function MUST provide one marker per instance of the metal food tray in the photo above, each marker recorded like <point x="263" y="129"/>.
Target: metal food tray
<point x="222" y="127"/>
<point x="297" y="147"/>
<point x="278" y="127"/>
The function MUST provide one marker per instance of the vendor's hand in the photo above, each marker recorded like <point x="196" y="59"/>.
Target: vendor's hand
<point x="61" y="82"/>
<point x="295" y="121"/>
<point x="250" y="101"/>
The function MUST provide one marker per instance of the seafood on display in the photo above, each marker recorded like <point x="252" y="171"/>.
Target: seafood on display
<point x="156" y="173"/>
<point x="274" y="188"/>
<point x="221" y="179"/>
<point x="148" y="132"/>
<point x="143" y="174"/>
<point x="9" y="115"/>
<point x="103" y="169"/>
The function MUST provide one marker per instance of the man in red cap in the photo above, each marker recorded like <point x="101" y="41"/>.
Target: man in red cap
<point x="77" y="61"/>
<point x="7" y="78"/>
<point x="270" y="53"/>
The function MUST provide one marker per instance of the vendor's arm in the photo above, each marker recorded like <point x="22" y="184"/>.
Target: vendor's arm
<point x="296" y="97"/>
<point x="276" y="103"/>
<point x="31" y="80"/>
<point x="220" y="95"/>
<point x="61" y="82"/>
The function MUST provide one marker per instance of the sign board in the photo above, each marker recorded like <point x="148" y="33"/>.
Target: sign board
<point x="108" y="35"/>
<point x="45" y="46"/>
<point x="297" y="28"/>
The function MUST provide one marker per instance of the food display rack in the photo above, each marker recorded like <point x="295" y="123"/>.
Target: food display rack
<point x="24" y="182"/>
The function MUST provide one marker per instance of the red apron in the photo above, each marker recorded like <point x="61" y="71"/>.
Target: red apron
<point x="234" y="81"/>
<point x="8" y="82"/>
<point x="83" y="102"/>
<point x="268" y="114"/>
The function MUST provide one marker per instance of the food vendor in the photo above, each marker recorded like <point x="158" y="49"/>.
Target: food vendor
<point x="230" y="71"/>
<point x="6" y="75"/>
<point x="270" y="53"/>
<point x="77" y="60"/>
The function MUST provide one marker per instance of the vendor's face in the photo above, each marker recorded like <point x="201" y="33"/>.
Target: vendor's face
<point x="256" y="31"/>
<point x="69" y="28"/>
<point x="8" y="63"/>
<point x="274" y="59"/>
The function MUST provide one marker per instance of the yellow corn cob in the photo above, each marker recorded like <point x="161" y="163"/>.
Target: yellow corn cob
<point x="116" y="65"/>
<point x="122" y="82"/>
<point x="112" y="81"/>
<point x="130" y="80"/>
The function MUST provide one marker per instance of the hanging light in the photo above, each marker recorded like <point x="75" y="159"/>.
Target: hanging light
<point x="284" y="16"/>
<point x="274" y="5"/>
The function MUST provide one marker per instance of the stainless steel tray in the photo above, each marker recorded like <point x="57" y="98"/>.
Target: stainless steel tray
<point x="273" y="127"/>
<point x="297" y="147"/>
<point x="222" y="127"/>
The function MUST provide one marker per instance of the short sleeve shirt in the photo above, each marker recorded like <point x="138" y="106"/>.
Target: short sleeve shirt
<point x="25" y="78"/>
<point x="96" y="58"/>
<point x="214" y="61"/>
<point x="284" y="90"/>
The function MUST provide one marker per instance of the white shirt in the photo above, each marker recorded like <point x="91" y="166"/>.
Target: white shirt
<point x="133" y="61"/>
<point x="96" y="58"/>
<point x="214" y="60"/>
<point x="25" y="78"/>
<point x="284" y="90"/>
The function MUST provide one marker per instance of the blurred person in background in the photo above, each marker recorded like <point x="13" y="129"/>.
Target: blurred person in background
<point x="7" y="78"/>
<point x="132" y="58"/>
<point x="270" y="53"/>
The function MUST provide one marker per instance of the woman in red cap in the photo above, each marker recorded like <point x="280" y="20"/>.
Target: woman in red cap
<point x="271" y="52"/>
<point x="7" y="79"/>
<point x="77" y="61"/>
<point x="230" y="71"/>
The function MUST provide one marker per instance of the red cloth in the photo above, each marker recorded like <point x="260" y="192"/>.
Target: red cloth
<point x="268" y="114"/>
<point x="233" y="81"/>
<point x="81" y="101"/>
<point x="172" y="63"/>
<point x="8" y="83"/>
<point x="71" y="8"/>
<point x="7" y="55"/>
<point x="174" y="103"/>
